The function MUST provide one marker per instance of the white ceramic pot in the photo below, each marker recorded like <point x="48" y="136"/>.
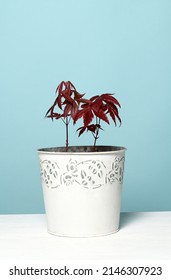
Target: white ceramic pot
<point x="82" y="189"/>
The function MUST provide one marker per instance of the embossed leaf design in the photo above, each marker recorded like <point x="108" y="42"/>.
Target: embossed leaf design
<point x="86" y="173"/>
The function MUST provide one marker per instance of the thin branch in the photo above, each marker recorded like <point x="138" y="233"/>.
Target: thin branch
<point x="97" y="132"/>
<point x="67" y="132"/>
<point x="63" y="121"/>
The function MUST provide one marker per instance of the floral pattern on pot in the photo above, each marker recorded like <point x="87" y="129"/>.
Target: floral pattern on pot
<point x="50" y="173"/>
<point x="90" y="174"/>
<point x="116" y="173"/>
<point x="87" y="173"/>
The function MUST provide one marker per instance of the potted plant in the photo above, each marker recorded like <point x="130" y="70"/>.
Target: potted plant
<point x="82" y="184"/>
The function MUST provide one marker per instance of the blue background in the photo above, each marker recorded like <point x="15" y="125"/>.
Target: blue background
<point x="101" y="46"/>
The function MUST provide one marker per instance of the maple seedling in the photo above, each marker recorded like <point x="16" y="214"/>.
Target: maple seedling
<point x="67" y="101"/>
<point x="98" y="107"/>
<point x="73" y="106"/>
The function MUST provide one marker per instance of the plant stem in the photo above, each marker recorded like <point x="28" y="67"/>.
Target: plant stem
<point x="96" y="135"/>
<point x="66" y="125"/>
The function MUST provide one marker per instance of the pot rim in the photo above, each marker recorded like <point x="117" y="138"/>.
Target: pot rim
<point x="102" y="149"/>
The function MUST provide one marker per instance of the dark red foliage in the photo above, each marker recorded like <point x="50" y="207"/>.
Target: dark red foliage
<point x="92" y="127"/>
<point x="99" y="106"/>
<point x="67" y="100"/>
<point x="73" y="106"/>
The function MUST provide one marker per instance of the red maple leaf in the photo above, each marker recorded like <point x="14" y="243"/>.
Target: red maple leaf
<point x="68" y="101"/>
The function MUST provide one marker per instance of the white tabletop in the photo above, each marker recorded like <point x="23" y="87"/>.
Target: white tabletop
<point x="142" y="235"/>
